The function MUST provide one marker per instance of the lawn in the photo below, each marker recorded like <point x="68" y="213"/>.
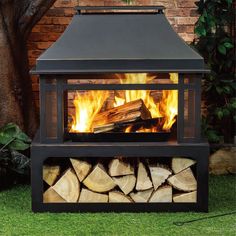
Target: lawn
<point x="16" y="217"/>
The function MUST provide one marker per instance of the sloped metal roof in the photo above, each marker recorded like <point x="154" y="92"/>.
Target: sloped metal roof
<point x="119" y="43"/>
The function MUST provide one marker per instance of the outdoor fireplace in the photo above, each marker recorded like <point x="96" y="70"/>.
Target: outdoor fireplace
<point x="120" y="105"/>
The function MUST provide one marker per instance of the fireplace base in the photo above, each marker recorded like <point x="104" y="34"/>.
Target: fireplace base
<point x="197" y="151"/>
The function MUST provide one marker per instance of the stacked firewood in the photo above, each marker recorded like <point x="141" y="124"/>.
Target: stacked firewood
<point x="121" y="180"/>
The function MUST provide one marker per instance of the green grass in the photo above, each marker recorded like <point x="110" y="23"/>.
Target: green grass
<point x="17" y="219"/>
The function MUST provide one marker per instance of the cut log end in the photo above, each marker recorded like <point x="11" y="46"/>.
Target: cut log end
<point x="184" y="181"/>
<point x="179" y="164"/>
<point x="116" y="196"/>
<point x="90" y="196"/>
<point x="68" y="186"/>
<point x="98" y="180"/>
<point x="143" y="180"/>
<point x="162" y="194"/>
<point x="50" y="174"/>
<point x="185" y="197"/>
<point x="141" y="196"/>
<point x="118" y="167"/>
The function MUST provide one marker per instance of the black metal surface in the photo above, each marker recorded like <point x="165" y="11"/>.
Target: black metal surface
<point x="115" y="43"/>
<point x="40" y="152"/>
<point x="84" y="9"/>
<point x="118" y="137"/>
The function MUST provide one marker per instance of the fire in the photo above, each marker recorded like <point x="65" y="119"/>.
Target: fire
<point x="167" y="108"/>
<point x="87" y="105"/>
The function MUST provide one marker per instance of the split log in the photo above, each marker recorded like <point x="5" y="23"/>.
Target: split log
<point x="185" y="197"/>
<point x="143" y="180"/>
<point x="116" y="196"/>
<point x="82" y="168"/>
<point x="159" y="174"/>
<point x="142" y="196"/>
<point x="98" y="180"/>
<point x="134" y="124"/>
<point x="178" y="164"/>
<point x="184" y="181"/>
<point x="125" y="183"/>
<point x="118" y="167"/>
<point x="50" y="174"/>
<point x="130" y="111"/>
<point x="68" y="186"/>
<point x="51" y="196"/>
<point x="90" y="196"/>
<point x="162" y="194"/>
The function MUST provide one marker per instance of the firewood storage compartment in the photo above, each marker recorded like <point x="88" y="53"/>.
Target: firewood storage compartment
<point x="120" y="117"/>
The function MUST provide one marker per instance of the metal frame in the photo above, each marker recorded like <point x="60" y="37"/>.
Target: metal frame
<point x="61" y="87"/>
<point x="157" y="9"/>
<point x="40" y="152"/>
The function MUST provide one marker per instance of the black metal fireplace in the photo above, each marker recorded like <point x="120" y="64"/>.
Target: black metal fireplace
<point x="119" y="84"/>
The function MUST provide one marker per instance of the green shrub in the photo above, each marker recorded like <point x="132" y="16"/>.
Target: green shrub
<point x="216" y="44"/>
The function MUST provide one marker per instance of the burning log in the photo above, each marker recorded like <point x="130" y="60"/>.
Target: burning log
<point x="116" y="196"/>
<point x="184" y="181"/>
<point x="185" y="197"/>
<point x="135" y="125"/>
<point x="98" y="180"/>
<point x="68" y="186"/>
<point x="162" y="194"/>
<point x="142" y="196"/>
<point x="130" y="111"/>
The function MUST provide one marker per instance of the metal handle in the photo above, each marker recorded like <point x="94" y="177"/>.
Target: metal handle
<point x="158" y="9"/>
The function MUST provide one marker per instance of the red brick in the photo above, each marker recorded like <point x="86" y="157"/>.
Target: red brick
<point x="61" y="20"/>
<point x="186" y="20"/>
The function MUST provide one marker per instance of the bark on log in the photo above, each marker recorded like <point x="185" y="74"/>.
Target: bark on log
<point x="159" y="174"/>
<point x="98" y="180"/>
<point x="142" y="196"/>
<point x="143" y="180"/>
<point x="50" y="174"/>
<point x="68" y="186"/>
<point x="184" y="181"/>
<point x="82" y="168"/>
<point x="162" y="194"/>
<point x="178" y="164"/>
<point x="115" y="196"/>
<point x="125" y="183"/>
<point x="185" y="197"/>
<point x="118" y="167"/>
<point x="131" y="111"/>
<point x="90" y="196"/>
<point x="51" y="196"/>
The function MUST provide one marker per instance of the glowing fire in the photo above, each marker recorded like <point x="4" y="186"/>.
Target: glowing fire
<point x="167" y="108"/>
<point x="88" y="104"/>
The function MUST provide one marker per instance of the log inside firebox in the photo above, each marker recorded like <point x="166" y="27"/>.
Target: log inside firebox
<point x="135" y="125"/>
<point x="129" y="112"/>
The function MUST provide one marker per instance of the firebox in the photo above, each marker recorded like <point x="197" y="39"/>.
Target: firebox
<point x="120" y="117"/>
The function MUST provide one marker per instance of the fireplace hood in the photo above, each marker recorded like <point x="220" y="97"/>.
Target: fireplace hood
<point x="119" y="42"/>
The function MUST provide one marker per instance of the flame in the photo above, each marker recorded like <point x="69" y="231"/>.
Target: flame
<point x="167" y="108"/>
<point x="87" y="105"/>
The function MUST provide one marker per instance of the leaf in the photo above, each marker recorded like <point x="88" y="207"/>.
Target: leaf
<point x="200" y="30"/>
<point x="228" y="45"/>
<point x="220" y="114"/>
<point x="18" y="145"/>
<point x="221" y="48"/>
<point x="20" y="163"/>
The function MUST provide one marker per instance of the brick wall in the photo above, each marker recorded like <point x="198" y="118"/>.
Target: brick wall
<point x="181" y="14"/>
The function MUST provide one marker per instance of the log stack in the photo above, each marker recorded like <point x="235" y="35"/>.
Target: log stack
<point x="121" y="180"/>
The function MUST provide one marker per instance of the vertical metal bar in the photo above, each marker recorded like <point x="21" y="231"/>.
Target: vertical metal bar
<point x="42" y="104"/>
<point x="60" y="110"/>
<point x="180" y="122"/>
<point x="198" y="108"/>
